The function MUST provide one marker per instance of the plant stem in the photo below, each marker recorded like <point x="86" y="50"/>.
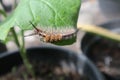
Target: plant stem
<point x="3" y="13"/>
<point x="99" y="31"/>
<point x="15" y="37"/>
<point x="24" y="55"/>
<point x="23" y="51"/>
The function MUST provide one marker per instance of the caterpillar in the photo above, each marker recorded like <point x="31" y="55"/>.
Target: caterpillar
<point x="52" y="37"/>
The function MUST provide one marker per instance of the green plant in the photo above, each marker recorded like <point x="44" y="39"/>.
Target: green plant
<point x="46" y="14"/>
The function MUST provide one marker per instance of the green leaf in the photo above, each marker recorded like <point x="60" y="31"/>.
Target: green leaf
<point x="48" y="15"/>
<point x="66" y="41"/>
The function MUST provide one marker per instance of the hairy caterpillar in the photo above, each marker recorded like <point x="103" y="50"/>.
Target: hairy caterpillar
<point x="52" y="37"/>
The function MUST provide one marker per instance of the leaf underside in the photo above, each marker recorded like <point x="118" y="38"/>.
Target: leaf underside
<point x="46" y="14"/>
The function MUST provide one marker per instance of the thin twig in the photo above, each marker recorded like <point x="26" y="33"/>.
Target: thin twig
<point x="99" y="31"/>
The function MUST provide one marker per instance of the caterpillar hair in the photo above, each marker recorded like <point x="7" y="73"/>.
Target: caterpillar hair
<point x="52" y="37"/>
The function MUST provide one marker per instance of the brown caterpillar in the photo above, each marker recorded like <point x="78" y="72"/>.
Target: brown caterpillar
<point x="50" y="37"/>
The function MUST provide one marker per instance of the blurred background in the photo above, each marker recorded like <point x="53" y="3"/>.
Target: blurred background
<point x="94" y="12"/>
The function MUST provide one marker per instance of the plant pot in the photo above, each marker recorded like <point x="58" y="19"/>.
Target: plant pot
<point x="110" y="8"/>
<point x="59" y="59"/>
<point x="2" y="48"/>
<point x="104" y="53"/>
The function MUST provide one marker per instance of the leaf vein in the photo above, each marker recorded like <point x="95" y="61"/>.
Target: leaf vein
<point x="51" y="7"/>
<point x="30" y="9"/>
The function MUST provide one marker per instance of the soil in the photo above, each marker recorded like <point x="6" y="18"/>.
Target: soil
<point x="45" y="71"/>
<point x="106" y="55"/>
